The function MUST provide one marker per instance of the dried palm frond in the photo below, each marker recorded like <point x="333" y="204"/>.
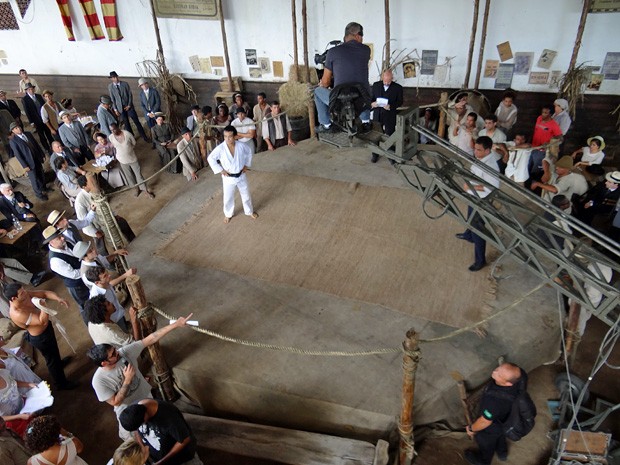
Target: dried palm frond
<point x="617" y="110"/>
<point x="573" y="85"/>
<point x="172" y="87"/>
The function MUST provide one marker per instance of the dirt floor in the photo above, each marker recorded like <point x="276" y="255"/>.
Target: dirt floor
<point x="95" y="424"/>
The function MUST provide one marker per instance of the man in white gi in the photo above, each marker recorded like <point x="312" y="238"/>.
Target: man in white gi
<point x="233" y="160"/>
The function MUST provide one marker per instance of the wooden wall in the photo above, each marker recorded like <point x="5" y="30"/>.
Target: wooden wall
<point x="593" y="117"/>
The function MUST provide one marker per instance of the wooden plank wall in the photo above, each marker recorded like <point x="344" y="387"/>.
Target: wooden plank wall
<point x="593" y="117"/>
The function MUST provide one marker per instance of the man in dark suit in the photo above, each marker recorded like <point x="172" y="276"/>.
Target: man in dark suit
<point x="122" y="101"/>
<point x="15" y="204"/>
<point x="32" y="104"/>
<point x="30" y="156"/>
<point x="385" y="112"/>
<point x="387" y="96"/>
<point x="10" y="106"/>
<point x="150" y="101"/>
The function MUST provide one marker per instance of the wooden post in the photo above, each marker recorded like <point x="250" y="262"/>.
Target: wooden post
<point x="386" y="7"/>
<point x="304" y="19"/>
<point x="225" y="42"/>
<point x="443" y="101"/>
<point x="148" y="323"/>
<point x="483" y="39"/>
<point x="472" y="40"/>
<point x="582" y="26"/>
<point x="572" y="338"/>
<point x="295" y="51"/>
<point x="160" y="48"/>
<point x="411" y="357"/>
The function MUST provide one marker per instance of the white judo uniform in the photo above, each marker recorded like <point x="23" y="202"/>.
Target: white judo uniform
<point x="221" y="159"/>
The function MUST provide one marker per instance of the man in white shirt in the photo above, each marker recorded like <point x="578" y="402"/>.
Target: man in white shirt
<point x="103" y="284"/>
<point x="232" y="160"/>
<point x="482" y="152"/>
<point x="246" y="129"/>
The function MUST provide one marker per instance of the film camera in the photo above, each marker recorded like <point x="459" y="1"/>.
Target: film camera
<point x="319" y="58"/>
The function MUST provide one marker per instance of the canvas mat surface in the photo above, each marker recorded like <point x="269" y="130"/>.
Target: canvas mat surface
<point x="372" y="244"/>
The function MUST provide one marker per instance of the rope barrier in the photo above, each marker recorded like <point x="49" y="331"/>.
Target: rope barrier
<point x="205" y="125"/>
<point x="341" y="353"/>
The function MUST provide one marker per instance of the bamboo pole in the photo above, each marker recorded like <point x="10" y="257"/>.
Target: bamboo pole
<point x="582" y="26"/>
<point x="304" y="19"/>
<point x="225" y="42"/>
<point x="472" y="40"/>
<point x="386" y="7"/>
<point x="483" y="39"/>
<point x="411" y="357"/>
<point x="147" y="320"/>
<point x="572" y="338"/>
<point x="295" y="51"/>
<point x="443" y="101"/>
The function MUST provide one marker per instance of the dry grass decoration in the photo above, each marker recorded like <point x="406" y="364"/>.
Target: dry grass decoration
<point x="573" y="85"/>
<point x="171" y="86"/>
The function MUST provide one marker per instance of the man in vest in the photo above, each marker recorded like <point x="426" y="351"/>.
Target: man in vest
<point x="487" y="430"/>
<point x="50" y="113"/>
<point x="276" y="128"/>
<point x="66" y="265"/>
<point x="71" y="228"/>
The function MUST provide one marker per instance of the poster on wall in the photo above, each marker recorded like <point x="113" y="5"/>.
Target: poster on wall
<point x="504" y="50"/>
<point x="537" y="77"/>
<point x="503" y="79"/>
<point x="409" y="70"/>
<point x="611" y="66"/>
<point x="490" y="68"/>
<point x="250" y="57"/>
<point x="440" y="74"/>
<point x="256" y="73"/>
<point x="195" y="62"/>
<point x="205" y="66"/>
<point x="546" y="58"/>
<point x="265" y="65"/>
<point x="188" y="9"/>
<point x="604" y="6"/>
<point x="429" y="61"/>
<point x="217" y="62"/>
<point x="278" y="69"/>
<point x="554" y="79"/>
<point x="523" y="62"/>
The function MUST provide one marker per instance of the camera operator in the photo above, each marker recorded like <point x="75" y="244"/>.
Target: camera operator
<point x="348" y="64"/>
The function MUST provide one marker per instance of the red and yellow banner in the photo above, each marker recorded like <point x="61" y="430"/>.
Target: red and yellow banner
<point x="65" y="14"/>
<point x="92" y="20"/>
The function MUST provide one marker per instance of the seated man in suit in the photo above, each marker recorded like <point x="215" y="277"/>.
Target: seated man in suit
<point x="30" y="156"/>
<point x="15" y="204"/>
<point x="59" y="150"/>
<point x="601" y="200"/>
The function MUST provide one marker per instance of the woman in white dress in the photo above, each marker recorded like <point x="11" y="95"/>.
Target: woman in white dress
<point x="592" y="154"/>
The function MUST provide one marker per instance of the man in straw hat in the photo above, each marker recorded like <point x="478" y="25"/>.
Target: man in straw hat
<point x="601" y="200"/>
<point x="66" y="265"/>
<point x="150" y="101"/>
<point x="71" y="228"/>
<point x="566" y="182"/>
